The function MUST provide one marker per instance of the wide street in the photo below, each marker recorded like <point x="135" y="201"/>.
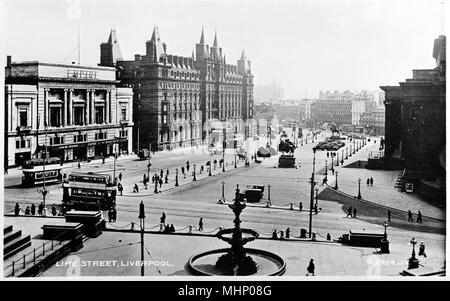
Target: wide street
<point x="184" y="205"/>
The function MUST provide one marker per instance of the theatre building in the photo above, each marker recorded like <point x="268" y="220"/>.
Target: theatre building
<point x="78" y="112"/>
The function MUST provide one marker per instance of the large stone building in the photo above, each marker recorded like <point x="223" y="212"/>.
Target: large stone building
<point x="363" y="102"/>
<point x="177" y="99"/>
<point x="269" y="93"/>
<point x="333" y="108"/>
<point x="373" y="122"/>
<point x="415" y="116"/>
<point x="78" y="112"/>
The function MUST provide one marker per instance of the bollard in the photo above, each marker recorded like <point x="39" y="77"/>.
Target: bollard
<point x="292" y="206"/>
<point x="328" y="236"/>
<point x="190" y="229"/>
<point x="313" y="238"/>
<point x="132" y="226"/>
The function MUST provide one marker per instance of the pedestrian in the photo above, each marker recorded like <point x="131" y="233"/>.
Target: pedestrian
<point x="300" y="206"/>
<point x="114" y="215"/>
<point x="17" y="209"/>
<point x="53" y="210"/>
<point x="161" y="173"/>
<point x="389" y="215"/>
<point x="316" y="210"/>
<point x="311" y="268"/>
<point x="166" y="179"/>
<point x="288" y="232"/>
<point x="120" y="177"/>
<point x="419" y="217"/>
<point x="354" y="212"/>
<point x="282" y="235"/>
<point x="109" y="215"/>
<point x="145" y="184"/>
<point x="274" y="234"/>
<point x="182" y="171"/>
<point x="33" y="209"/>
<point x="120" y="188"/>
<point x="144" y="177"/>
<point x="328" y="154"/>
<point x="136" y="188"/>
<point x="410" y="216"/>
<point x="200" y="224"/>
<point x="368" y="181"/>
<point x="160" y="183"/>
<point x="349" y="212"/>
<point x="422" y="249"/>
<point x="79" y="165"/>
<point x="187" y="166"/>
<point x="371" y="181"/>
<point x="171" y="228"/>
<point x="27" y="210"/>
<point x="167" y="172"/>
<point x="41" y="208"/>
<point x="163" y="218"/>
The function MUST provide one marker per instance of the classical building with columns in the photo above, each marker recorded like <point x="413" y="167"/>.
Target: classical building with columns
<point x="177" y="99"/>
<point x="78" y="112"/>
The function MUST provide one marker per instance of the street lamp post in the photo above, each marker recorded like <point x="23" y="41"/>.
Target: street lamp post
<point x="317" y="196"/>
<point x="336" y="184"/>
<point x="268" y="194"/>
<point x="223" y="192"/>
<point x="385" y="241"/>
<point x="224" y="147"/>
<point x="311" y="201"/>
<point x="326" y="166"/>
<point x="235" y="162"/>
<point x="142" y="224"/>
<point x="353" y="146"/>
<point x="195" y="178"/>
<point x="346" y="153"/>
<point x="359" y="188"/>
<point x="176" y="177"/>
<point x="342" y="157"/>
<point x="413" y="262"/>
<point x="337" y="158"/>
<point x="149" y="158"/>
<point x="44" y="190"/>
<point x="209" y="173"/>
<point x="350" y="152"/>
<point x="332" y="164"/>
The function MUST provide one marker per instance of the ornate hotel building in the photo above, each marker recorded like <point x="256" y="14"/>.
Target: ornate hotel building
<point x="78" y="112"/>
<point x="178" y="100"/>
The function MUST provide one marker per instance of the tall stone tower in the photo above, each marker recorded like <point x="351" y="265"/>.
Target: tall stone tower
<point x="110" y="51"/>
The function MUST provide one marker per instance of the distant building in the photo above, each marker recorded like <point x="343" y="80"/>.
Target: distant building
<point x="269" y="93"/>
<point x="363" y="102"/>
<point x="84" y="111"/>
<point x="333" y="108"/>
<point x="373" y="121"/>
<point x="415" y="116"/>
<point x="177" y="99"/>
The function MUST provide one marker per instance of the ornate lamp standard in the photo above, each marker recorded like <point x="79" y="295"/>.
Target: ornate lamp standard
<point x="317" y="195"/>
<point x="354" y="146"/>
<point x="332" y="164"/>
<point x="222" y="199"/>
<point x="176" y="177"/>
<point x="195" y="177"/>
<point x="413" y="262"/>
<point x="342" y="157"/>
<point x="359" y="188"/>
<point x="235" y="162"/>
<point x="337" y="158"/>
<point x="346" y="153"/>
<point x="44" y="190"/>
<point x="209" y="173"/>
<point x="385" y="241"/>
<point x="336" y="184"/>
<point x="224" y="147"/>
<point x="142" y="225"/>
<point x="312" y="192"/>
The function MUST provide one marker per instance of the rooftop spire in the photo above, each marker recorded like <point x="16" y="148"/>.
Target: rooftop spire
<point x="215" y="39"/>
<point x="243" y="55"/>
<point x="202" y="38"/>
<point x="155" y="35"/>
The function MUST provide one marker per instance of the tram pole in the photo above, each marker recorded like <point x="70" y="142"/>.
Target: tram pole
<point x="142" y="224"/>
<point x="311" y="202"/>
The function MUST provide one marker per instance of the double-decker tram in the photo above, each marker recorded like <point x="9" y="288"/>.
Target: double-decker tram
<point x="35" y="171"/>
<point x="89" y="191"/>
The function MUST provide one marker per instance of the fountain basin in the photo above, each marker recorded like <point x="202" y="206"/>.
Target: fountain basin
<point x="269" y="264"/>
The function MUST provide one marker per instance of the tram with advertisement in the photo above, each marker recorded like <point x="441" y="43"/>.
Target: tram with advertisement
<point x="89" y="191"/>
<point x="33" y="171"/>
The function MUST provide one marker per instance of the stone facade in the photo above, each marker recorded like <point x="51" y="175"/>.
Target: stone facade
<point x="77" y="111"/>
<point x="177" y="99"/>
<point x="415" y="116"/>
<point x="373" y="121"/>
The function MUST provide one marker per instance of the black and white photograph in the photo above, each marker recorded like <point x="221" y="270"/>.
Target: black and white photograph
<point x="243" y="139"/>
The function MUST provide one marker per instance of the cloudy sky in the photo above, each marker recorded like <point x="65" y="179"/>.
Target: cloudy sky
<point x="306" y="46"/>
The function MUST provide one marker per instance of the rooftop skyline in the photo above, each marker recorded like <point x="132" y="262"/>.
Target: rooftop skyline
<point x="303" y="45"/>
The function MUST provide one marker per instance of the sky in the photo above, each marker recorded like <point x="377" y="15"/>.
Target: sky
<point x="306" y="46"/>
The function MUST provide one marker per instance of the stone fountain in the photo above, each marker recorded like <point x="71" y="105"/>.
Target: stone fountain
<point x="237" y="260"/>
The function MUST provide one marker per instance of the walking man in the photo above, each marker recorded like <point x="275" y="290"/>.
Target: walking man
<point x="120" y="177"/>
<point x="17" y="209"/>
<point x="354" y="212"/>
<point x="200" y="224"/>
<point x="371" y="181"/>
<point x="163" y="218"/>
<point x="41" y="208"/>
<point x="349" y="212"/>
<point x="33" y="209"/>
<point x="419" y="217"/>
<point x="368" y="181"/>
<point x="410" y="217"/>
<point x="311" y="267"/>
<point x="422" y="249"/>
<point x="300" y="206"/>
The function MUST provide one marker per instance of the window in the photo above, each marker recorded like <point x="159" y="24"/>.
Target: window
<point x="23" y="143"/>
<point x="23" y="118"/>
<point x="100" y="136"/>
<point x="164" y="119"/>
<point x="123" y="114"/>
<point x="56" y="140"/>
<point x="78" y="115"/>
<point x="98" y="115"/>
<point x="55" y="116"/>
<point x="80" y="138"/>
<point x="123" y="133"/>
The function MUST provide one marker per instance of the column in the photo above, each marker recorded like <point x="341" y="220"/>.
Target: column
<point x="107" y="104"/>
<point x="64" y="121"/>
<point x="70" y="119"/>
<point x="92" y="106"/>
<point x="86" y="107"/>
<point x="46" y="112"/>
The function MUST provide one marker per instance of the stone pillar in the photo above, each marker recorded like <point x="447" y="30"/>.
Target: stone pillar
<point x="64" y="121"/>
<point x="70" y="108"/>
<point x="46" y="112"/>
<point x="107" y="106"/>
<point x="86" y="107"/>
<point x="92" y="106"/>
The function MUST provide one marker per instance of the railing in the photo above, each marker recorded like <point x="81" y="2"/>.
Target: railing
<point x="21" y="263"/>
